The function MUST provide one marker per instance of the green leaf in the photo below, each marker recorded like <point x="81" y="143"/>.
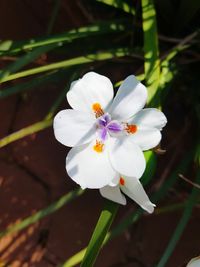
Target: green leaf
<point x="24" y="60"/>
<point x="120" y="52"/>
<point x="181" y="225"/>
<point x="10" y="47"/>
<point x="107" y="215"/>
<point x="43" y="213"/>
<point x="151" y="51"/>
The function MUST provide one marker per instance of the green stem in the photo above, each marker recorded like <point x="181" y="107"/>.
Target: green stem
<point x="100" y="231"/>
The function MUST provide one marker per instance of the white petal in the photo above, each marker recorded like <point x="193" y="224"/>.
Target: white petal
<point x="150" y="117"/>
<point x="92" y="88"/>
<point x="194" y="262"/>
<point x="146" y="138"/>
<point x="134" y="189"/>
<point x="131" y="97"/>
<point x="89" y="168"/>
<point x="115" y="181"/>
<point x="126" y="157"/>
<point x="72" y="128"/>
<point x="113" y="193"/>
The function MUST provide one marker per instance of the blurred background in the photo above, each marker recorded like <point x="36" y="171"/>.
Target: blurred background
<point x="44" y="45"/>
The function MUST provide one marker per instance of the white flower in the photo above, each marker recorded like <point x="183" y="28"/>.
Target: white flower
<point x="108" y="135"/>
<point x="194" y="262"/>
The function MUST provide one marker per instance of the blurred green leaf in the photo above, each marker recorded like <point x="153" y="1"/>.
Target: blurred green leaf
<point x="53" y="16"/>
<point x="120" y="4"/>
<point x="43" y="213"/>
<point x="54" y="76"/>
<point x="120" y="52"/>
<point x="151" y="51"/>
<point x="24" y="60"/>
<point x="38" y="126"/>
<point x="181" y="225"/>
<point x="10" y="47"/>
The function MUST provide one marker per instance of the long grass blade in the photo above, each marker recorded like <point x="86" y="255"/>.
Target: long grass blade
<point x="10" y="47"/>
<point x="38" y="126"/>
<point x="120" y="52"/>
<point x="25" y="60"/>
<point x="105" y="220"/>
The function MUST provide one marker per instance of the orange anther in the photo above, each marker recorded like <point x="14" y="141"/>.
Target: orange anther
<point x="98" y="147"/>
<point x="131" y="128"/>
<point x="97" y="110"/>
<point x="122" y="181"/>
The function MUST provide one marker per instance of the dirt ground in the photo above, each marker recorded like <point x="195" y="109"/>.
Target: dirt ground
<point x="32" y="175"/>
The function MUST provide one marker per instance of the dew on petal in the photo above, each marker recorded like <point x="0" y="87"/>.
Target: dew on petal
<point x="98" y="147"/>
<point x="122" y="181"/>
<point x="96" y="107"/>
<point x="131" y="128"/>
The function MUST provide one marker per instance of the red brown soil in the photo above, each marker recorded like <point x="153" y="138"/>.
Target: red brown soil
<point x="32" y="175"/>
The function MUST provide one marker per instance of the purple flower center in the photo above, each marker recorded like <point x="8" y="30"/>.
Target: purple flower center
<point x="106" y="125"/>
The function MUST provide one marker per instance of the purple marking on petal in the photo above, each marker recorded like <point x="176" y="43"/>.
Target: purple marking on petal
<point x="103" y="134"/>
<point x="114" y="127"/>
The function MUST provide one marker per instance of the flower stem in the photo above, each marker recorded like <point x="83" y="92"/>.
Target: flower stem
<point x="100" y="231"/>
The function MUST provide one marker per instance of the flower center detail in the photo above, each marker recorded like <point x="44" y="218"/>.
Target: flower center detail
<point x="97" y="110"/>
<point x="98" y="147"/>
<point x="131" y="128"/>
<point x="105" y="126"/>
<point x="122" y="181"/>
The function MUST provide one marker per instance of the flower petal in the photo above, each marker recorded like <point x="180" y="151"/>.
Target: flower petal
<point x="113" y="193"/>
<point x="195" y="262"/>
<point x="92" y="88"/>
<point x="146" y="138"/>
<point x="126" y="157"/>
<point x="73" y="128"/>
<point x="149" y="117"/>
<point x="130" y="98"/>
<point x="134" y="189"/>
<point x="89" y="168"/>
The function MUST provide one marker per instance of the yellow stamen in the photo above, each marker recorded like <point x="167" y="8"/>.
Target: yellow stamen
<point x="131" y="128"/>
<point x="97" y="110"/>
<point x="98" y="147"/>
<point x="122" y="181"/>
